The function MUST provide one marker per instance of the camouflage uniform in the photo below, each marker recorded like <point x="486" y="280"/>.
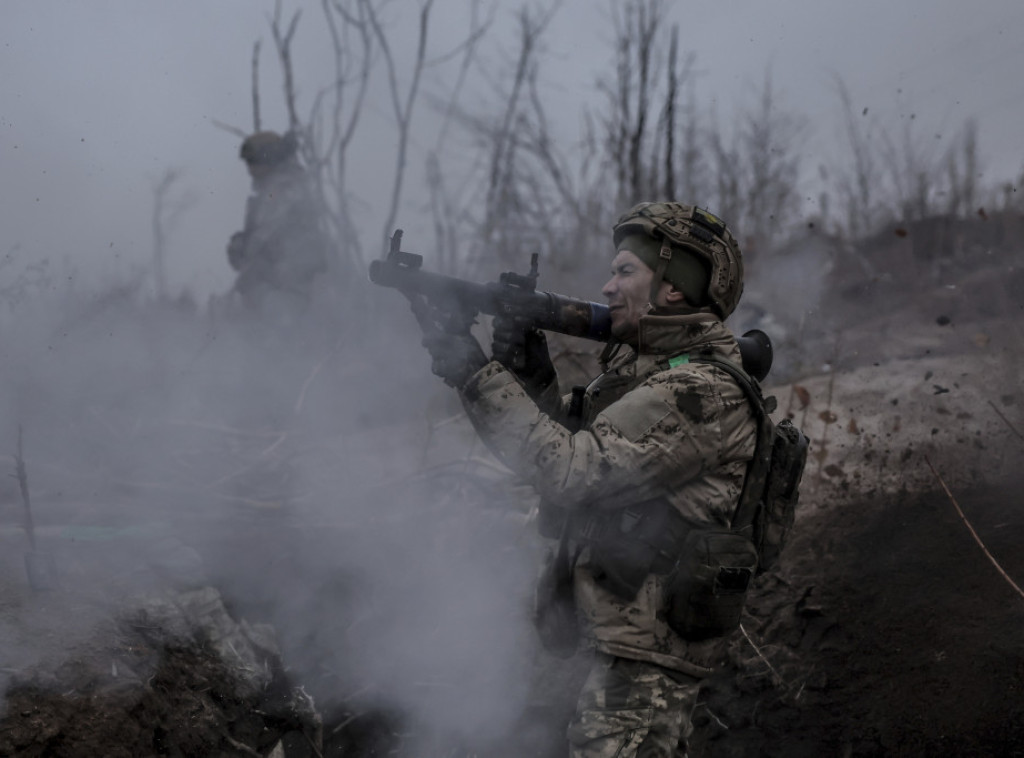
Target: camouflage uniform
<point x="651" y="432"/>
<point x="282" y="247"/>
<point x="633" y="708"/>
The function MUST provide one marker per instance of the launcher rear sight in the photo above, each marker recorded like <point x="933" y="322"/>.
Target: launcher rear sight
<point x="527" y="281"/>
<point x="399" y="258"/>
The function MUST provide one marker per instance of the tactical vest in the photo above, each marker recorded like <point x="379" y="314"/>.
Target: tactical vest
<point x="708" y="570"/>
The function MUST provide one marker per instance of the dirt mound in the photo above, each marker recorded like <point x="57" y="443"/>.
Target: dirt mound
<point x="172" y="674"/>
<point x="189" y="705"/>
<point x="888" y="632"/>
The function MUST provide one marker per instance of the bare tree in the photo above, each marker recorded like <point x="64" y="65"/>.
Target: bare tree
<point x="668" y="117"/>
<point x="446" y="206"/>
<point x="498" y="208"/>
<point x="327" y="134"/>
<point x="335" y="117"/>
<point x="360" y="39"/>
<point x="168" y="208"/>
<point x="653" y="144"/>
<point x="962" y="177"/>
<point x="256" y="121"/>
<point x="727" y="172"/>
<point x="912" y="169"/>
<point x="692" y="186"/>
<point x="283" y="45"/>
<point x="860" y="184"/>
<point x="771" y="198"/>
<point x="629" y="95"/>
<point x="402" y="106"/>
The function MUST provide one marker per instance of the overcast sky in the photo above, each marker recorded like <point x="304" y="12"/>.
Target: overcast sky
<point x="99" y="98"/>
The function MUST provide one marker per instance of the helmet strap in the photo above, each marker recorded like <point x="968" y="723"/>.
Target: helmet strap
<point x="664" y="256"/>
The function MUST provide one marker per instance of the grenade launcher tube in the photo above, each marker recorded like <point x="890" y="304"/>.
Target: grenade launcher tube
<point x="546" y="310"/>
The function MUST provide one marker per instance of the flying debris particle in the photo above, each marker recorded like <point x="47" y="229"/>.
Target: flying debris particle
<point x="928" y="375"/>
<point x="865" y="111"/>
<point x="982" y="214"/>
<point x="852" y="427"/>
<point x="833" y="470"/>
<point x="943" y="320"/>
<point x="939" y="390"/>
<point x="900" y="232"/>
<point x="981" y="340"/>
<point x="803" y="395"/>
<point x="828" y="417"/>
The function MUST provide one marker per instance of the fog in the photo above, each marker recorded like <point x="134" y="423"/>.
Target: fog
<point x="323" y="475"/>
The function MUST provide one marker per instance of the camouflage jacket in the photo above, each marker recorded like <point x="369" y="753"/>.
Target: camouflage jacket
<point x="682" y="433"/>
<point x="282" y="244"/>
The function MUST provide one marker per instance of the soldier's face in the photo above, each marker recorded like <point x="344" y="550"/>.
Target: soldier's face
<point x="629" y="293"/>
<point x="259" y="171"/>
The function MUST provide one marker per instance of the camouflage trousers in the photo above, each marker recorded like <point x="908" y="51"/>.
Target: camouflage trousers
<point x="632" y="709"/>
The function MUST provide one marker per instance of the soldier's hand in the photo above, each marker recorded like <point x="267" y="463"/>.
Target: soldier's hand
<point x="236" y="251"/>
<point x="455" y="357"/>
<point x="523" y="350"/>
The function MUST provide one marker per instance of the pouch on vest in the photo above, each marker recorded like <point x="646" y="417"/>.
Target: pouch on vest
<point x="706" y="592"/>
<point x="774" y="519"/>
<point x="771" y="489"/>
<point x="629" y="545"/>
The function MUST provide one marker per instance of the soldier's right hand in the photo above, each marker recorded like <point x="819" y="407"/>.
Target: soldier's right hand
<point x="522" y="349"/>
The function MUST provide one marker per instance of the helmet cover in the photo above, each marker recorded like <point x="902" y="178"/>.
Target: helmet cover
<point x="267" y="148"/>
<point x="690" y="232"/>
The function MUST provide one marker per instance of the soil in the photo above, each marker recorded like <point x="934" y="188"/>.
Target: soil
<point x="903" y="640"/>
<point x="189" y="706"/>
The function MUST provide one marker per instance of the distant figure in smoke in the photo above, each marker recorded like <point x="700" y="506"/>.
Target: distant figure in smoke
<point x="638" y="474"/>
<point x="282" y="248"/>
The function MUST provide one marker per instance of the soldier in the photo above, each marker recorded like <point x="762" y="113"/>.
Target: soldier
<point x="651" y="454"/>
<point x="282" y="248"/>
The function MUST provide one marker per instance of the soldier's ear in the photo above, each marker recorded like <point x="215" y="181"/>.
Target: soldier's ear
<point x="674" y="296"/>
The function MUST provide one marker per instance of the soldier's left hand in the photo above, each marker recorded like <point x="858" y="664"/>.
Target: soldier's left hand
<point x="455" y="357"/>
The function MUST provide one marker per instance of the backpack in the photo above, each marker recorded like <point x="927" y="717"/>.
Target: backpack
<point x="767" y="504"/>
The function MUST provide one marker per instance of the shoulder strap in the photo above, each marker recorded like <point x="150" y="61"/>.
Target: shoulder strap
<point x="746" y="509"/>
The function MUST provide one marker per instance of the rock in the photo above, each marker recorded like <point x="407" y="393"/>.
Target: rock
<point x="199" y="615"/>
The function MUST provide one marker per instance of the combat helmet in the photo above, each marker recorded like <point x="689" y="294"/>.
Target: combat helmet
<point x="688" y="235"/>
<point x="268" y="148"/>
